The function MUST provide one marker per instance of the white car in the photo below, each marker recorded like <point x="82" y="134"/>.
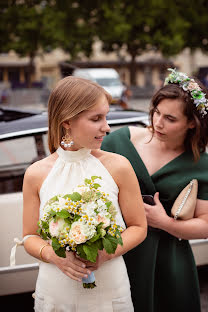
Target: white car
<point x="108" y="78"/>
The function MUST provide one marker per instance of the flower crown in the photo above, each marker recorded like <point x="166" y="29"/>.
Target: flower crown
<point x="191" y="86"/>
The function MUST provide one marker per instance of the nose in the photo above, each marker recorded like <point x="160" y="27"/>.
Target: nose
<point x="105" y="126"/>
<point x="158" y="122"/>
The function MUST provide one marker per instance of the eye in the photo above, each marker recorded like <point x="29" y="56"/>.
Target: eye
<point x="170" y="119"/>
<point x="97" y="118"/>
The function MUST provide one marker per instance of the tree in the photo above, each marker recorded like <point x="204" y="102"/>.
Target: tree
<point x="140" y="26"/>
<point x="33" y="26"/>
<point x="76" y="36"/>
<point x="196" y="36"/>
<point x="30" y="28"/>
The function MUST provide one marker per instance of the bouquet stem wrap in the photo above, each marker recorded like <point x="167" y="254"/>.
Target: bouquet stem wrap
<point x="89" y="282"/>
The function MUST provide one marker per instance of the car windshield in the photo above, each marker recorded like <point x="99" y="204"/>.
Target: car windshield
<point x="108" y="82"/>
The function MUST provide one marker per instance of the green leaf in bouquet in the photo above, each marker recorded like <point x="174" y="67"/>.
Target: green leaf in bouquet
<point x="68" y="221"/>
<point x="108" y="203"/>
<point x="96" y="185"/>
<point x="52" y="213"/>
<point x="99" y="243"/>
<point x="75" y="196"/>
<point x="87" y="181"/>
<point x="76" y="217"/>
<point x="95" y="238"/>
<point x="81" y="252"/>
<point x="53" y="199"/>
<point x="98" y="195"/>
<point x="43" y="235"/>
<point x="67" y="196"/>
<point x="63" y="214"/>
<point x="95" y="177"/>
<point x="91" y="252"/>
<point x="55" y="243"/>
<point x="110" y="244"/>
<point x="44" y="225"/>
<point x="119" y="238"/>
<point x="61" y="252"/>
<point x="99" y="228"/>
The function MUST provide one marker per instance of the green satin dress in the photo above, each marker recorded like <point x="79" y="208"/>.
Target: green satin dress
<point x="162" y="269"/>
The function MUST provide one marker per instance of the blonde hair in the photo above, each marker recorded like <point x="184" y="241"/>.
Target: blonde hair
<point x="71" y="96"/>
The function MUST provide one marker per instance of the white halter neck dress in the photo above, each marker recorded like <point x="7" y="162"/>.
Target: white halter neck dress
<point x="55" y="291"/>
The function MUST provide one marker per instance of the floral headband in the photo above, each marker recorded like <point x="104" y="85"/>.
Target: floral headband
<point x="189" y="85"/>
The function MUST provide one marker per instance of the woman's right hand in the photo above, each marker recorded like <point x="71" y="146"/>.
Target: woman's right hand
<point x="71" y="266"/>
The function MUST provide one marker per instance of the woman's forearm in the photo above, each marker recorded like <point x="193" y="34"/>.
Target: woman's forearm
<point x="196" y="228"/>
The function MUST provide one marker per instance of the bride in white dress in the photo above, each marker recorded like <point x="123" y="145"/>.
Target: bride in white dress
<point x="77" y="112"/>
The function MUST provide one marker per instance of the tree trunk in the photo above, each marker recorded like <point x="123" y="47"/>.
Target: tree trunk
<point x="31" y="69"/>
<point x="132" y="69"/>
<point x="192" y="59"/>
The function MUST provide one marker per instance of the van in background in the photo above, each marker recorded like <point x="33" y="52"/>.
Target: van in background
<point x="108" y="78"/>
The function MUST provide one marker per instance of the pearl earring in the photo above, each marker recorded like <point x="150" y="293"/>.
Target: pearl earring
<point x="66" y="140"/>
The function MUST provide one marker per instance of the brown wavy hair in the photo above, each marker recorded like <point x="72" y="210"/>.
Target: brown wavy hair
<point x="71" y="96"/>
<point x="197" y="138"/>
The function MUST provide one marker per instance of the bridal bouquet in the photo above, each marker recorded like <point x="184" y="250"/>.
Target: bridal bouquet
<point x="83" y="222"/>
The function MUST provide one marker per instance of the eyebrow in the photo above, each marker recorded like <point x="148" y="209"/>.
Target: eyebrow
<point x="98" y="114"/>
<point x="171" y="116"/>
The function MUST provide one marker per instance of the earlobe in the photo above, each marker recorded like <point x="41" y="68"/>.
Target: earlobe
<point x="66" y="125"/>
<point x="192" y="124"/>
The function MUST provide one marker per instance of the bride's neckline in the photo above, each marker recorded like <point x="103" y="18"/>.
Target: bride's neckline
<point x="73" y="156"/>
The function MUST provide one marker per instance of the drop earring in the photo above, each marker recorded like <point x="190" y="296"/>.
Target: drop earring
<point x="66" y="140"/>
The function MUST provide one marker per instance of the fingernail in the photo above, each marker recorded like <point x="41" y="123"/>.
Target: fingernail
<point x="88" y="272"/>
<point x="86" y="276"/>
<point x="83" y="265"/>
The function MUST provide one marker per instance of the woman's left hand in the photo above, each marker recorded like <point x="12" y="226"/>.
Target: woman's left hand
<point x="101" y="258"/>
<point x="156" y="214"/>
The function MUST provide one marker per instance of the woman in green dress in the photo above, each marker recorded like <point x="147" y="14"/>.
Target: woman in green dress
<point x="166" y="156"/>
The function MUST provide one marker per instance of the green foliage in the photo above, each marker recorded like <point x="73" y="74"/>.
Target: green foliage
<point x="110" y="244"/>
<point x="87" y="181"/>
<point x="91" y="252"/>
<point x="63" y="214"/>
<point x="32" y="26"/>
<point x="60" y="251"/>
<point x="96" y="185"/>
<point x="75" y="196"/>
<point x="89" y="285"/>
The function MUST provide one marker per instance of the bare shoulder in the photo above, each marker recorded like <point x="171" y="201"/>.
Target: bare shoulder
<point x="113" y="158"/>
<point x="116" y="164"/>
<point x="139" y="134"/>
<point x="38" y="170"/>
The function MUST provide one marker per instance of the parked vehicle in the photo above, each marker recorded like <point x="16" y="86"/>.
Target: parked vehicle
<point x="108" y="78"/>
<point x="22" y="141"/>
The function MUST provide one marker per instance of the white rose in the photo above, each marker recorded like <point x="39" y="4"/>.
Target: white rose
<point x="104" y="219"/>
<point x="81" y="232"/>
<point x="55" y="228"/>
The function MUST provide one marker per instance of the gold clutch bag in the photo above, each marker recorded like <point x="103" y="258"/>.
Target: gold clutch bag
<point x="184" y="205"/>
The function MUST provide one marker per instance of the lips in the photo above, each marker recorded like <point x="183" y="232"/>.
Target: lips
<point x="100" y="138"/>
<point x="159" y="133"/>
